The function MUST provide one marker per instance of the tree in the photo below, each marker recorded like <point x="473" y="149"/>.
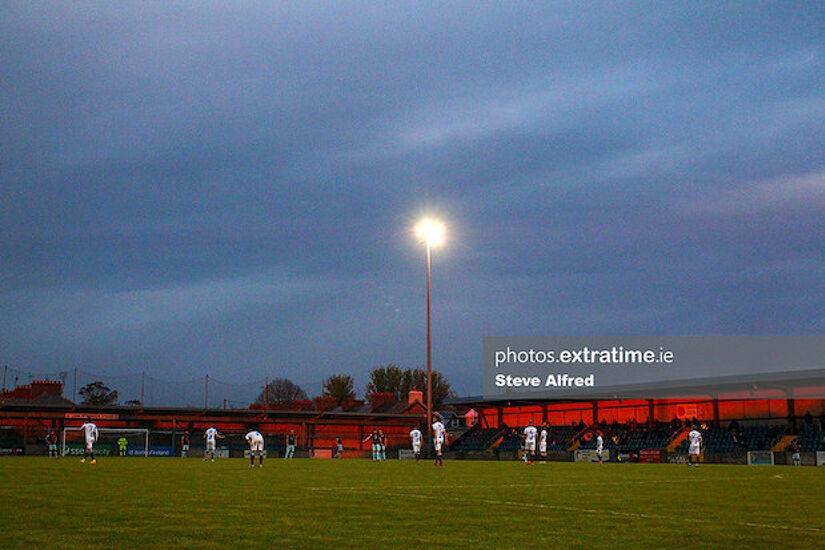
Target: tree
<point x="441" y="387"/>
<point x="97" y="393"/>
<point x="414" y="379"/>
<point x="340" y="386"/>
<point x="280" y="389"/>
<point x="386" y="379"/>
<point x="393" y="379"/>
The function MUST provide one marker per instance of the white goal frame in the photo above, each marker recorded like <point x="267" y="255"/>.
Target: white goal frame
<point x="102" y="431"/>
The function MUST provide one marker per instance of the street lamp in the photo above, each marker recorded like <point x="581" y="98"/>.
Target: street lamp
<point x="430" y="233"/>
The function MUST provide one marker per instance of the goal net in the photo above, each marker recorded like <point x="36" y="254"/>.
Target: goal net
<point x="110" y="442"/>
<point x="760" y="458"/>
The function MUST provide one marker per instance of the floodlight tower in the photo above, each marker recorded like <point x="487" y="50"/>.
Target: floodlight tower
<point x="430" y="233"/>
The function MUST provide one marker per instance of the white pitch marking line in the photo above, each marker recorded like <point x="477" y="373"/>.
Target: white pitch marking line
<point x="577" y="484"/>
<point x="591" y="511"/>
<point x="783" y="527"/>
<point x="508" y="485"/>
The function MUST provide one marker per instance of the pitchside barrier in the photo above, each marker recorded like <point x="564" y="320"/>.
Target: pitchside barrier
<point x="321" y="453"/>
<point x="589" y="455"/>
<point x="153" y="451"/>
<point x="781" y="458"/>
<point x="222" y="452"/>
<point x="770" y="458"/>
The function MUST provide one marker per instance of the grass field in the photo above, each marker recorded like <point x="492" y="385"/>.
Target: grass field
<point x="188" y="503"/>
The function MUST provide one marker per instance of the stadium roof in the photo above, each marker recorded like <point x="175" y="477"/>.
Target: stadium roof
<point x="270" y="414"/>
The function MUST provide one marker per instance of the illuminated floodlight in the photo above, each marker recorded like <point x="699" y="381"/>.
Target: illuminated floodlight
<point x="430" y="232"/>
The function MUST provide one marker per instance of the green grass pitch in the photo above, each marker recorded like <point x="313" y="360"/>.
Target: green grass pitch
<point x="188" y="503"/>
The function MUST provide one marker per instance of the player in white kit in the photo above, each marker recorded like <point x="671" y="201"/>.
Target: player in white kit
<point x="256" y="446"/>
<point x="695" y="447"/>
<point x="210" y="435"/>
<point x="543" y="443"/>
<point x="439" y="437"/>
<point x="599" y="446"/>
<point x="90" y="433"/>
<point x="415" y="437"/>
<point x="530" y="442"/>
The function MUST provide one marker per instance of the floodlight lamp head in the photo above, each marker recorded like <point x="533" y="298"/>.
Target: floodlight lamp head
<point x="430" y="232"/>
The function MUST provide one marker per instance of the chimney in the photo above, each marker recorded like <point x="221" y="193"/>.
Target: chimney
<point x="416" y="396"/>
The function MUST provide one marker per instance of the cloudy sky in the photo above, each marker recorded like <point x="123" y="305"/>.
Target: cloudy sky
<point x="230" y="189"/>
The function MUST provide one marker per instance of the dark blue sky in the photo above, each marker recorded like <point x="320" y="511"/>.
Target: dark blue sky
<point x="231" y="189"/>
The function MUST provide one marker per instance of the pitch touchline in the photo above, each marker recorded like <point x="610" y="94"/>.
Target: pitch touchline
<point x="591" y="511"/>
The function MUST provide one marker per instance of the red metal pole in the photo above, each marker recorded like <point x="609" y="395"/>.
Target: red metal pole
<point x="429" y="351"/>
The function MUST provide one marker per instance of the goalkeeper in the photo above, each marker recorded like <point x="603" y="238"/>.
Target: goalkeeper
<point x="122" y="443"/>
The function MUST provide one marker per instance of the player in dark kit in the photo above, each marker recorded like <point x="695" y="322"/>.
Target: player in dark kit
<point x="184" y="444"/>
<point x="376" y="443"/>
<point x="291" y="440"/>
<point x="51" y="441"/>
<point x="382" y="441"/>
<point x="796" y="448"/>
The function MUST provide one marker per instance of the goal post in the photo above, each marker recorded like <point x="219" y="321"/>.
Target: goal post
<point x="135" y="440"/>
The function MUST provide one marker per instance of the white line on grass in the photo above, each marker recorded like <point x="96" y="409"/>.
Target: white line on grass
<point x="509" y="485"/>
<point x="591" y="511"/>
<point x="576" y="484"/>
